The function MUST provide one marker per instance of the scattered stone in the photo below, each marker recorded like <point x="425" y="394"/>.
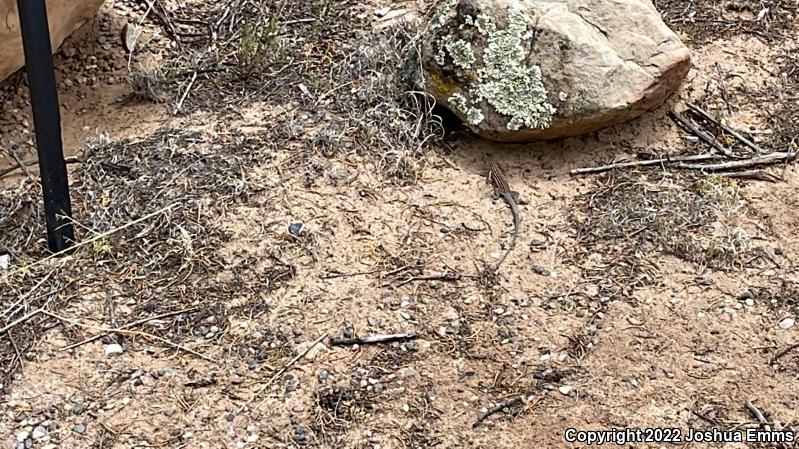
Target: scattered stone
<point x="252" y="438"/>
<point x="5" y="261"/>
<point x="704" y="281"/>
<point x="113" y="350"/>
<point x="725" y="317"/>
<point x="79" y="428"/>
<point x="324" y="374"/>
<point x="300" y="436"/>
<point x="565" y="390"/>
<point x="295" y="229"/>
<point x="22" y="436"/>
<point x="39" y="432"/>
<point x="542" y="271"/>
<point x="527" y="70"/>
<point x="371" y="321"/>
<point x="409" y="372"/>
<point x="787" y="323"/>
<point x="78" y="408"/>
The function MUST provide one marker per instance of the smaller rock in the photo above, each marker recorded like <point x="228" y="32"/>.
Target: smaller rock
<point x="39" y="432"/>
<point x="295" y="229"/>
<point x="78" y="408"/>
<point x="409" y="372"/>
<point x="787" y="323"/>
<point x="79" y="428"/>
<point x="5" y="261"/>
<point x="565" y="390"/>
<point x="252" y="438"/>
<point x="113" y="350"/>
<point x="22" y="436"/>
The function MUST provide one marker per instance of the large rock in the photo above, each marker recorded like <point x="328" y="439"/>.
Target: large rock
<point x="527" y="70"/>
<point x="64" y="16"/>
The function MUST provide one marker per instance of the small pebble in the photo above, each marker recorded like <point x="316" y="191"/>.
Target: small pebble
<point x="787" y="323"/>
<point x="78" y="408"/>
<point x="39" y="432"/>
<point x="22" y="436"/>
<point x="565" y="390"/>
<point x="295" y="229"/>
<point x="79" y="428"/>
<point x="113" y="350"/>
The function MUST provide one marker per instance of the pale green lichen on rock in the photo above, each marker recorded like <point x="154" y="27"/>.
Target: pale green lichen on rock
<point x="440" y="15"/>
<point x="474" y="116"/>
<point x="461" y="52"/>
<point x="458" y="102"/>
<point x="504" y="80"/>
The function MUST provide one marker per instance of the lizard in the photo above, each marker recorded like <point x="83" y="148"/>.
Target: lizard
<point x="500" y="182"/>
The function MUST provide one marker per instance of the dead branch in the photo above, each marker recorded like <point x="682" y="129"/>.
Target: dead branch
<point x="702" y="135"/>
<point x="644" y="163"/>
<point x="700" y="112"/>
<point x="373" y="339"/>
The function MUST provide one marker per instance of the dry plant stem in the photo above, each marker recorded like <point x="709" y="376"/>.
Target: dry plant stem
<point x="646" y="163"/>
<point x="699" y="111"/>
<point x="88" y="242"/>
<point x="766" y="159"/>
<point x="372" y="339"/>
<point x="179" y="106"/>
<point x="759" y="416"/>
<point x="782" y="353"/>
<point x="128" y="326"/>
<point x="24" y="164"/>
<point x="702" y="135"/>
<point x="279" y="373"/>
<point x="109" y="331"/>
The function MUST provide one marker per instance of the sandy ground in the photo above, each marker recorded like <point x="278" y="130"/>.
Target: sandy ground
<point x="688" y="350"/>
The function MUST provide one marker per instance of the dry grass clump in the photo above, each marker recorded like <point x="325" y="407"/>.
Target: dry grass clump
<point x="149" y="85"/>
<point x="631" y="218"/>
<point x="150" y="218"/>
<point x="319" y="57"/>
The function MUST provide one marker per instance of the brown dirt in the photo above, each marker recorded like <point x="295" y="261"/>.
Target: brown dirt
<point x="646" y="333"/>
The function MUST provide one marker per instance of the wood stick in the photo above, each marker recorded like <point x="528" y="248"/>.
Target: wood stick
<point x="765" y="159"/>
<point x="128" y="326"/>
<point x="782" y="353"/>
<point x="644" y="163"/>
<point x="699" y="111"/>
<point x="129" y="332"/>
<point x="759" y="416"/>
<point x="373" y="339"/>
<point x="703" y="135"/>
<point x="279" y="373"/>
<point x="32" y="162"/>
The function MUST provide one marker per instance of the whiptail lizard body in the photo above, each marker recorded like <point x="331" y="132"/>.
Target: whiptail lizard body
<point x="497" y="177"/>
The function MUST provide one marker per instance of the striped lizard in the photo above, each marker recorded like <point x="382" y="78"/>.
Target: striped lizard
<point x="500" y="182"/>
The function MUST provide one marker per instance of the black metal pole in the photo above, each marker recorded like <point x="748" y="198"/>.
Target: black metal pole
<point x="47" y="122"/>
